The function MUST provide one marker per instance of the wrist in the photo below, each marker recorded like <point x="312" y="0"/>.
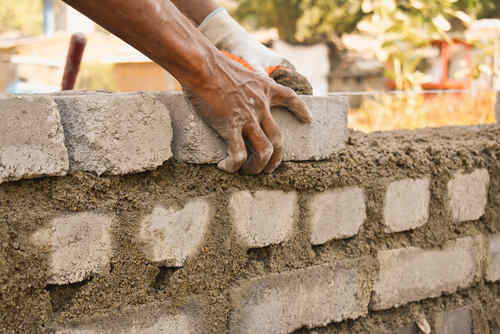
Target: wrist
<point x="222" y="30"/>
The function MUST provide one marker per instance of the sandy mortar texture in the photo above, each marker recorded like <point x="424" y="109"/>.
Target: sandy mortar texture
<point x="29" y="305"/>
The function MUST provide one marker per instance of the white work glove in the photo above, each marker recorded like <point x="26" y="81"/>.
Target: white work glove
<point x="227" y="34"/>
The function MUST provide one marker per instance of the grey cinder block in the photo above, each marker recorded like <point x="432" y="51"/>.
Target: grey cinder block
<point x="468" y="195"/>
<point x="336" y="214"/>
<point x="148" y="319"/>
<point x="263" y="218"/>
<point x="31" y="138"/>
<point x="493" y="262"/>
<point x="312" y="297"/>
<point x="170" y="235"/>
<point x="406" y="204"/>
<point x="79" y="246"/>
<point x="115" y="133"/>
<point x="195" y="142"/>
<point x="412" y="274"/>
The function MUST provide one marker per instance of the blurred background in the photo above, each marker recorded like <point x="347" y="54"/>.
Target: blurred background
<point x="404" y="64"/>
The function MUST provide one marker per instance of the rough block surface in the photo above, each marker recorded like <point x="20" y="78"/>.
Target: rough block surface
<point x="406" y="204"/>
<point x="31" y="138"/>
<point x="336" y="214"/>
<point x="493" y="262"/>
<point x="468" y="195"/>
<point x="174" y="324"/>
<point x="454" y="322"/>
<point x="115" y="133"/>
<point x="412" y="274"/>
<point x="412" y="329"/>
<point x="171" y="236"/>
<point x="79" y="245"/>
<point x="312" y="297"/>
<point x="151" y="319"/>
<point x="263" y="218"/>
<point x="196" y="142"/>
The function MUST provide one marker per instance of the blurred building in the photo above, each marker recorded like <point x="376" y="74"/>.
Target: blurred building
<point x="36" y="64"/>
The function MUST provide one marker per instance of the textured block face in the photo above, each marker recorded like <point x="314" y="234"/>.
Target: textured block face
<point x="115" y="133"/>
<point x="171" y="236"/>
<point x="138" y="324"/>
<point x="468" y="195"/>
<point x="403" y="330"/>
<point x="80" y="246"/>
<point x="336" y="214"/>
<point x="406" y="205"/>
<point x="458" y="322"/>
<point x="313" y="297"/>
<point x="31" y="138"/>
<point x="196" y="142"/>
<point x="317" y="141"/>
<point x="493" y="263"/>
<point x="264" y="218"/>
<point x="412" y="274"/>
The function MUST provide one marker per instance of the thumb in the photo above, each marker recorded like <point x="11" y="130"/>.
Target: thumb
<point x="286" y="97"/>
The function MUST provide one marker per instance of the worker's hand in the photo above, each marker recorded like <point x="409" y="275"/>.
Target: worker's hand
<point x="227" y="34"/>
<point x="237" y="105"/>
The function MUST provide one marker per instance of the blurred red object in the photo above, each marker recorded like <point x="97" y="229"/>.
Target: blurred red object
<point x="73" y="61"/>
<point x="445" y="83"/>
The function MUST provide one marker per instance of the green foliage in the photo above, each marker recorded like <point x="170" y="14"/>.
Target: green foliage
<point x="404" y="28"/>
<point x="21" y="15"/>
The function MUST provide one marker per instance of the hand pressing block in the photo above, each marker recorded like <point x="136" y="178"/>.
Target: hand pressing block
<point x="195" y="142"/>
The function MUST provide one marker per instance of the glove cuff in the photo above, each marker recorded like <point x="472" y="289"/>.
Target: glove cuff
<point x="222" y="30"/>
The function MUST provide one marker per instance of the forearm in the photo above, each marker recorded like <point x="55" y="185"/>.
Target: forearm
<point x="159" y="30"/>
<point x="196" y="10"/>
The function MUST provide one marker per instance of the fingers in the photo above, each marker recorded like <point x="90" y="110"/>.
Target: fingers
<point x="262" y="150"/>
<point x="273" y="133"/>
<point x="286" y="97"/>
<point x="237" y="152"/>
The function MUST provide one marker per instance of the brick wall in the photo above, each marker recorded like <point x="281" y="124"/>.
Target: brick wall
<point x="111" y="221"/>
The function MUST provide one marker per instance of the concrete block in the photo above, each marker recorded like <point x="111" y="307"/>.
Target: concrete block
<point x="263" y="218"/>
<point x="31" y="138"/>
<point x="336" y="214"/>
<point x="493" y="262"/>
<point x="79" y="245"/>
<point x="115" y="133"/>
<point x="408" y="330"/>
<point x="413" y="274"/>
<point x="412" y="329"/>
<point x="174" y="324"/>
<point x="196" y="142"/>
<point x="468" y="195"/>
<point x="406" y="205"/>
<point x="312" y="297"/>
<point x="149" y="319"/>
<point x="454" y="322"/>
<point x="170" y="235"/>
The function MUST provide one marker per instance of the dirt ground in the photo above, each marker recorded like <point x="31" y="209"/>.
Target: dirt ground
<point x="28" y="305"/>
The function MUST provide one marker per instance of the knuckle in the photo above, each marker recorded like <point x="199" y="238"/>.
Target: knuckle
<point x="265" y="154"/>
<point x="288" y="92"/>
<point x="277" y="141"/>
<point x="240" y="157"/>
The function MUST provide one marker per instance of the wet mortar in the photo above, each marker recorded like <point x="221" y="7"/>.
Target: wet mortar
<point x="28" y="305"/>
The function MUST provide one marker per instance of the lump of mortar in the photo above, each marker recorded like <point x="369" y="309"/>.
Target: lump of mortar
<point x="293" y="80"/>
